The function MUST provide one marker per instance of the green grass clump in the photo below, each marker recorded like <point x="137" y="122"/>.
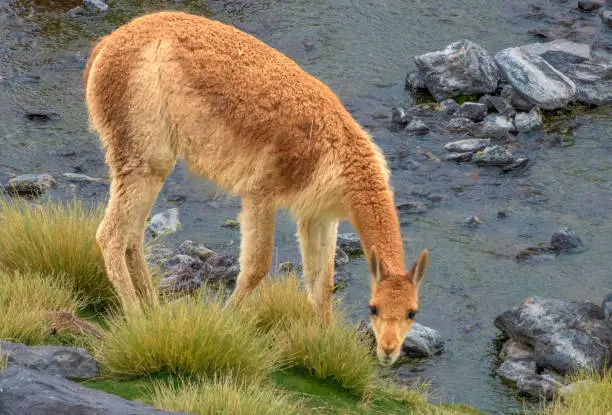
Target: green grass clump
<point x="190" y="336"/>
<point x="25" y="300"/>
<point x="591" y="395"/>
<point x="224" y="397"/>
<point x="56" y="239"/>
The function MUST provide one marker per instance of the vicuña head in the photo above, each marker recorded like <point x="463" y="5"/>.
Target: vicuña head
<point x="394" y="304"/>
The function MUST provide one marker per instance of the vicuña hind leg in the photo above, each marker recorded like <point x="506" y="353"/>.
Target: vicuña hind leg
<point x="257" y="242"/>
<point x="317" y="238"/>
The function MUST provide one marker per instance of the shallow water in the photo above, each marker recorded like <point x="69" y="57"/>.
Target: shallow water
<point x="362" y="51"/>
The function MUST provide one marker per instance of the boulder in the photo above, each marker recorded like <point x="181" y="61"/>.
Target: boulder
<point x="69" y="362"/>
<point x="468" y="145"/>
<point x="417" y="126"/>
<point x="515" y="350"/>
<point x="462" y="68"/>
<point x="460" y="125"/>
<point x="534" y="79"/>
<point x="560" y="53"/>
<point x="494" y="126"/>
<point x="449" y="106"/>
<point x="497" y="104"/>
<point x="195" y="250"/>
<point x="528" y="121"/>
<point x="26" y="391"/>
<point x="565" y="240"/>
<point x="593" y="82"/>
<point x="422" y="341"/>
<point x="570" y="351"/>
<point x="472" y="110"/>
<point x="493" y="156"/>
<point x="512" y="370"/>
<point x="30" y="184"/>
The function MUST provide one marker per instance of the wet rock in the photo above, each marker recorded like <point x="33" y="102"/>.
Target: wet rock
<point x="528" y="121"/>
<point x="350" y="243"/>
<point x="606" y="305"/>
<point x="534" y="79"/>
<point x="463" y="68"/>
<point x="165" y="222"/>
<point x="515" y="350"/>
<point x="593" y="82"/>
<point x="502" y="214"/>
<point x="400" y="116"/>
<point x="468" y="145"/>
<point x="411" y="208"/>
<point x="458" y="157"/>
<point x="449" y="106"/>
<point x="590" y="5"/>
<point x="76" y="177"/>
<point x="30" y="184"/>
<point x="195" y="250"/>
<point x="422" y="341"/>
<point x="560" y="53"/>
<point x="495" y="126"/>
<point x="415" y="81"/>
<point x="493" y="156"/>
<point x="95" y="5"/>
<point x="517" y="164"/>
<point x="565" y="240"/>
<point x="41" y="115"/>
<point x="606" y="17"/>
<point x="341" y="277"/>
<point x="69" y="362"/>
<point x="570" y="351"/>
<point x="472" y="110"/>
<point x="512" y="370"/>
<point x="460" y="125"/>
<point x="538" y="386"/>
<point x="26" y="391"/>
<point x="497" y="104"/>
<point x="340" y="257"/>
<point x="417" y="126"/>
<point x="472" y="222"/>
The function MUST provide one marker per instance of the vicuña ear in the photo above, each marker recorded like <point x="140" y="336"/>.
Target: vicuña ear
<point x="417" y="272"/>
<point x="376" y="265"/>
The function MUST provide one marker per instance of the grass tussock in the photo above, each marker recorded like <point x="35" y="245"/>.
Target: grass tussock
<point x="190" y="336"/>
<point x="56" y="239"/>
<point x="591" y="395"/>
<point x="25" y="301"/>
<point x="224" y="397"/>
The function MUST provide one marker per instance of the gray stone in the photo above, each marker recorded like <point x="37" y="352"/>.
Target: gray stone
<point x="414" y="81"/>
<point x="286" y="267"/>
<point x="494" y="126"/>
<point x="570" y="351"/>
<point x="472" y="110"/>
<point x="462" y="68"/>
<point x="560" y="53"/>
<point x="411" y="208"/>
<point x="460" y="125"/>
<point x="528" y="121"/>
<point x="221" y="267"/>
<point x="512" y="370"/>
<point x="606" y="305"/>
<point x="195" y="250"/>
<point x="458" y="157"/>
<point x="538" y="386"/>
<point x="26" y="391"/>
<point x="422" y="341"/>
<point x="493" y="156"/>
<point x="468" y="145"/>
<point x="534" y="79"/>
<point x="593" y="82"/>
<point x="590" y="5"/>
<point x="472" y="222"/>
<point x="565" y="240"/>
<point x="95" y="5"/>
<point x="350" y="243"/>
<point x="518" y="163"/>
<point x="515" y="350"/>
<point x="340" y="257"/>
<point x="76" y="177"/>
<point x="165" y="222"/>
<point x="606" y="17"/>
<point x="341" y="277"/>
<point x="497" y="104"/>
<point x="401" y="116"/>
<point x="30" y="184"/>
<point x="69" y="362"/>
<point x="449" y="106"/>
<point x="417" y="126"/>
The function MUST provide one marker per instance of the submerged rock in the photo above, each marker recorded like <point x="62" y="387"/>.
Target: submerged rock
<point x="590" y="5"/>
<point x="534" y="79"/>
<point x="493" y="156"/>
<point x="165" y="222"/>
<point x="565" y="240"/>
<point x="30" y="184"/>
<point x="65" y="361"/>
<point x="417" y="126"/>
<point x="468" y="145"/>
<point x="400" y="116"/>
<point x="472" y="222"/>
<point x="41" y="115"/>
<point x="459" y="157"/>
<point x="560" y="53"/>
<point x="462" y="68"/>
<point x="26" y="391"/>
<point x="472" y="110"/>
<point x="350" y="243"/>
<point x="528" y="121"/>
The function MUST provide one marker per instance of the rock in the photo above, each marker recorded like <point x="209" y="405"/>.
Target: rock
<point x="606" y="305"/>
<point x="400" y="116"/>
<point x="472" y="110"/>
<point x="165" y="222"/>
<point x="538" y="386"/>
<point x="606" y="17"/>
<point x="517" y="164"/>
<point x="286" y="268"/>
<point x="534" y="79"/>
<point x="422" y="341"/>
<point x="417" y="126"/>
<point x="68" y="362"/>
<point x="570" y="351"/>
<point x="341" y="277"/>
<point x="493" y="156"/>
<point x="468" y="145"/>
<point x="498" y="104"/>
<point x="26" y="391"/>
<point x="528" y="121"/>
<point x="414" y="81"/>
<point x="512" y="370"/>
<point x="538" y="318"/>
<point x="565" y="240"/>
<point x="590" y="5"/>
<point x="231" y="224"/>
<point x="340" y="257"/>
<point x="95" y="5"/>
<point x="194" y="250"/>
<point x="495" y="126"/>
<point x="221" y="267"/>
<point x="30" y="184"/>
<point x="411" y="208"/>
<point x="76" y="177"/>
<point x="515" y="350"/>
<point x="463" y="68"/>
<point x="350" y="243"/>
<point x="458" y="157"/>
<point x="157" y="255"/>
<point x="449" y="106"/>
<point x="472" y="222"/>
<point x="593" y="82"/>
<point x="460" y="125"/>
<point x="41" y="115"/>
<point x="502" y="214"/>
<point x="560" y="53"/>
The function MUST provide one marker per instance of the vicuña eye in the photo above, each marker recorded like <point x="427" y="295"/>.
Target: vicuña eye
<point x="411" y="315"/>
<point x="373" y="310"/>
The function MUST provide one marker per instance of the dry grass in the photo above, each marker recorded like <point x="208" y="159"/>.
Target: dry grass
<point x="25" y="301"/>
<point x="592" y="395"/>
<point x="56" y="239"/>
<point x="190" y="336"/>
<point x="224" y="397"/>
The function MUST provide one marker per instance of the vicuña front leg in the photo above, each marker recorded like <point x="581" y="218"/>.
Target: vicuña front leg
<point x="257" y="242"/>
<point x="318" y="243"/>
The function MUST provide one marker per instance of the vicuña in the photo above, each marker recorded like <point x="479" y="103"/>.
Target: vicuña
<point x="169" y="85"/>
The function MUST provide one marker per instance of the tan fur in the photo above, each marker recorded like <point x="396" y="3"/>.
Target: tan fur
<point x="170" y="85"/>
